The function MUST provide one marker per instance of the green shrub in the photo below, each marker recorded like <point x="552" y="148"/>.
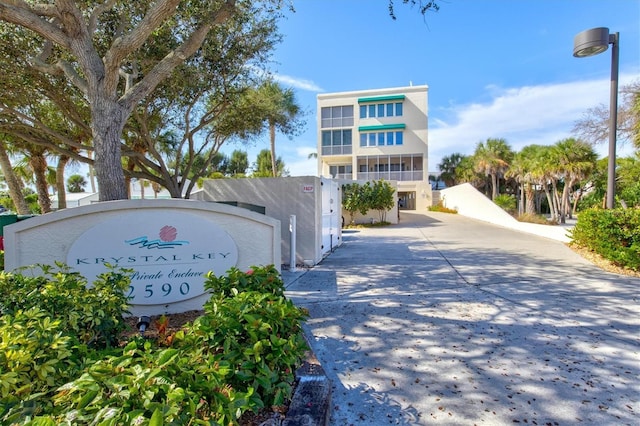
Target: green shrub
<point x="51" y="325"/>
<point x="506" y="202"/>
<point x="239" y="356"/>
<point x="262" y="279"/>
<point x="36" y="356"/>
<point x="144" y="382"/>
<point x="614" y="234"/>
<point x="257" y="328"/>
<point x="94" y="315"/>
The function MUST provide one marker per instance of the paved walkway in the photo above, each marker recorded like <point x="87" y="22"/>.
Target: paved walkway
<point x="444" y="319"/>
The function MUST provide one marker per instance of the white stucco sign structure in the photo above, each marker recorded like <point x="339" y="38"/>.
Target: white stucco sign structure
<point x="169" y="245"/>
<point x="170" y="253"/>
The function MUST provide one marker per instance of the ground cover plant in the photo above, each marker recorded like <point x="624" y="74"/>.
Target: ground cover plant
<point x="64" y="360"/>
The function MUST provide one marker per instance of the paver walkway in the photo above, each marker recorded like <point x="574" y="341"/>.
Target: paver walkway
<point x="443" y="319"/>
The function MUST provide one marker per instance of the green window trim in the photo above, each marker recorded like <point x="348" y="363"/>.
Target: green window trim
<point x="381" y="127"/>
<point x="381" y="99"/>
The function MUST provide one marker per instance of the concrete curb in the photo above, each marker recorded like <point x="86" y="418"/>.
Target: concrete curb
<point x="311" y="401"/>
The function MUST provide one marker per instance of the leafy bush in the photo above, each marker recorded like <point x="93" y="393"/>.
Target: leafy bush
<point x="259" y="330"/>
<point x="94" y="315"/>
<point x="370" y="196"/>
<point x="35" y="358"/>
<point x="50" y="325"/>
<point x="144" y="382"/>
<point x="614" y="234"/>
<point x="506" y="202"/>
<point x="239" y="356"/>
<point x="262" y="279"/>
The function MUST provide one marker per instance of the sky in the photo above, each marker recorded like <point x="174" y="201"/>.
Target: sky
<point x="495" y="68"/>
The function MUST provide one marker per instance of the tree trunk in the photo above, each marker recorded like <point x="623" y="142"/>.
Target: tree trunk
<point x="39" y="166"/>
<point x="272" y="138"/>
<point x="530" y="195"/>
<point x="556" y="202"/>
<point x="13" y="183"/>
<point x="522" y="200"/>
<point x="552" y="209"/>
<point x="60" y="187"/>
<point x="108" y="121"/>
<point x="494" y="184"/>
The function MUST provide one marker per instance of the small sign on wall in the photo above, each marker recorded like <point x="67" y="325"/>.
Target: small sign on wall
<point x="169" y="253"/>
<point x="307" y="188"/>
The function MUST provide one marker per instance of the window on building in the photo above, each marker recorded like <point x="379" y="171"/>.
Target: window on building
<point x="337" y="142"/>
<point x="407" y="167"/>
<point x="369" y="139"/>
<point x="381" y="110"/>
<point x="341" y="171"/>
<point x="336" y="116"/>
<point x="398" y="138"/>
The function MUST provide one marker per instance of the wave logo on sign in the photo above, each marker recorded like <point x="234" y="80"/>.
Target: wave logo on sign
<point x="167" y="240"/>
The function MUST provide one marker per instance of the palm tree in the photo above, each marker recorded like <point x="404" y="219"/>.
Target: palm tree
<point x="524" y="169"/>
<point x="448" y="167"/>
<point x="282" y="114"/>
<point x="576" y="160"/>
<point x="76" y="183"/>
<point x="14" y="183"/>
<point x="492" y="158"/>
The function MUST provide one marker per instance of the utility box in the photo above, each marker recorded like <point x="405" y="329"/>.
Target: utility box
<point x="316" y="203"/>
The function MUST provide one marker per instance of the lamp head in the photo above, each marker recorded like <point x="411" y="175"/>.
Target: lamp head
<point x="591" y="42"/>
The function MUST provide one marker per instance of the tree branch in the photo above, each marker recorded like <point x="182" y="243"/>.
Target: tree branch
<point x="166" y="66"/>
<point x="21" y="13"/>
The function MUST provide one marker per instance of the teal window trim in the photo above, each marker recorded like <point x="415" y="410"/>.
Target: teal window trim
<point x="381" y="127"/>
<point x="381" y="98"/>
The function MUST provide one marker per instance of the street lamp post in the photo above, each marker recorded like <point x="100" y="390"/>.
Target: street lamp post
<point x="589" y="43"/>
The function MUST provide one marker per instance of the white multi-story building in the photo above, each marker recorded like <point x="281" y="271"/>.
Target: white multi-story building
<point x="377" y="134"/>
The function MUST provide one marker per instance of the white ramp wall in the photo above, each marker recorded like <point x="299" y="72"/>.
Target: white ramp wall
<point x="470" y="202"/>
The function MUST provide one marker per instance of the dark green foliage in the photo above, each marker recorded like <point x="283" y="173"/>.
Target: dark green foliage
<point x="380" y="197"/>
<point x="376" y="195"/>
<point x="354" y="200"/>
<point x="239" y="356"/>
<point x="614" y="234"/>
<point x="50" y="325"/>
<point x="506" y="202"/>
<point x="261" y="279"/>
<point x="94" y="315"/>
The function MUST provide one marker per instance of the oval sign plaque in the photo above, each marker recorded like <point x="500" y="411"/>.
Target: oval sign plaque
<point x="170" y="253"/>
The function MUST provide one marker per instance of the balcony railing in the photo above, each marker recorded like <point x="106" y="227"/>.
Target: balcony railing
<point x="337" y="150"/>
<point x="414" y="175"/>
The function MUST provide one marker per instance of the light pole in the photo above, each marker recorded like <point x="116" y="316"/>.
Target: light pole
<point x="589" y="43"/>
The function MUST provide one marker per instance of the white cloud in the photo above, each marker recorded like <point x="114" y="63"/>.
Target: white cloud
<point x="298" y="83"/>
<point x="299" y="164"/>
<point x="527" y="115"/>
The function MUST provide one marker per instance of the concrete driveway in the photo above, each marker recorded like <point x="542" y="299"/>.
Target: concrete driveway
<point x="444" y="319"/>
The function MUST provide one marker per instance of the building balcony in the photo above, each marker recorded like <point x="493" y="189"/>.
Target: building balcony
<point x="337" y="150"/>
<point x="415" y="175"/>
